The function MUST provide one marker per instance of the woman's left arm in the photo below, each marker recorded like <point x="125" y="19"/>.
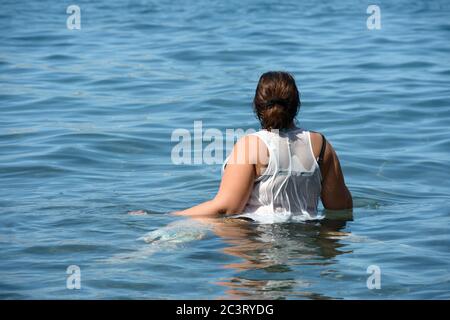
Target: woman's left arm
<point x="236" y="185"/>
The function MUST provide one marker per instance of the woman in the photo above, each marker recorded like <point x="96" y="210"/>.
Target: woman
<point x="281" y="170"/>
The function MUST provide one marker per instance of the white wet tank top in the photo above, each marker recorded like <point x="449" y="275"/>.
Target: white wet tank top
<point x="289" y="189"/>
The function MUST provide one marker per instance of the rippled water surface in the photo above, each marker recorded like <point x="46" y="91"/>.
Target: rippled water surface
<point x="86" y="119"/>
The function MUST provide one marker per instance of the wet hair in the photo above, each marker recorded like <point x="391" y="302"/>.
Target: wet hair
<point x="277" y="101"/>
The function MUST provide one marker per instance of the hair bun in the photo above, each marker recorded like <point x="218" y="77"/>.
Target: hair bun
<point x="276" y="117"/>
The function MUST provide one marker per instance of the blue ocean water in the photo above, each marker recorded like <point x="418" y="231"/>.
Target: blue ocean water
<point x="86" y="119"/>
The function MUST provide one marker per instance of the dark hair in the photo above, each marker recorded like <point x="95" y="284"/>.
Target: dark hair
<point x="277" y="100"/>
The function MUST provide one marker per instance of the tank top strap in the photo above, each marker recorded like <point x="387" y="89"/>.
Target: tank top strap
<point x="270" y="141"/>
<point x="262" y="135"/>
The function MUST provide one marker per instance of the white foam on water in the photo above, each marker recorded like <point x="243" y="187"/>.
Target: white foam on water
<point x="137" y="213"/>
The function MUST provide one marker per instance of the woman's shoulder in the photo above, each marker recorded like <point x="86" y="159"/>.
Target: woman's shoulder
<point x="316" y="142"/>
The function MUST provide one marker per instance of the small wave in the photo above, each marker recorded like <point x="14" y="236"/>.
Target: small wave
<point x="58" y="57"/>
<point x="177" y="232"/>
<point x="170" y="237"/>
<point x="137" y="213"/>
<point x="34" y="170"/>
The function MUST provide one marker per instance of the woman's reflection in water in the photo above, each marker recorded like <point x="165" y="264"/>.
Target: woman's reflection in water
<point x="273" y="254"/>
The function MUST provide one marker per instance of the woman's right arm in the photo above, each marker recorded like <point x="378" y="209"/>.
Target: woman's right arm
<point x="335" y="194"/>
